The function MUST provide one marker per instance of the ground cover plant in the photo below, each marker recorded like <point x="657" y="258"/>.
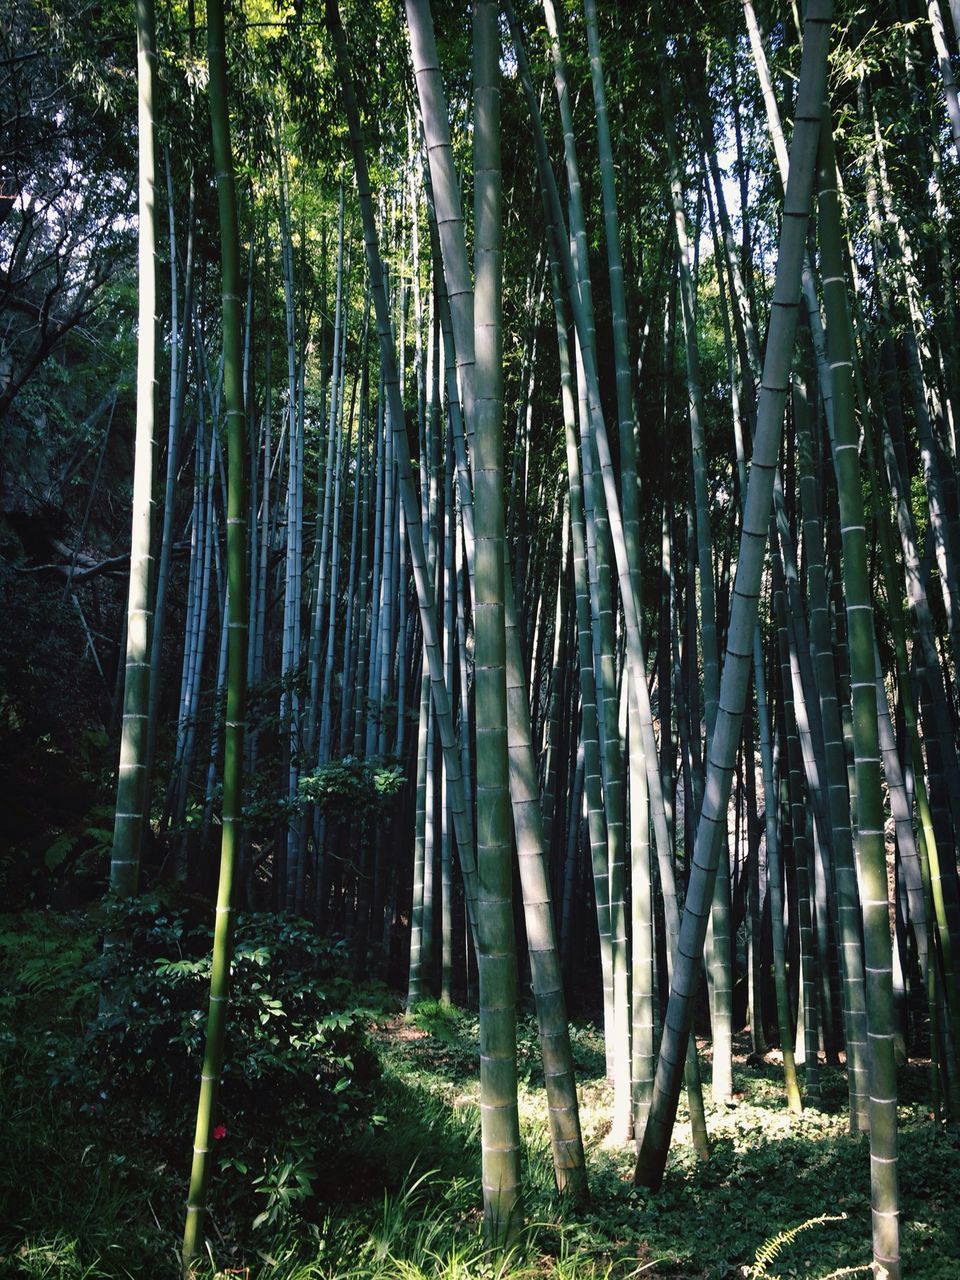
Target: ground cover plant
<point x="352" y="1155"/>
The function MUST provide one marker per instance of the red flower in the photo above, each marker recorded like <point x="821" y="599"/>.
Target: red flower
<point x="219" y="1132"/>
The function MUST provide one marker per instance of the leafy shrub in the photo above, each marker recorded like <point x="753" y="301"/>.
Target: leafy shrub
<point x="349" y="787"/>
<point x="298" y="1075"/>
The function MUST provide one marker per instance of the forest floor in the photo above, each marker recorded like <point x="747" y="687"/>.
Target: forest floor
<point x="88" y="1193"/>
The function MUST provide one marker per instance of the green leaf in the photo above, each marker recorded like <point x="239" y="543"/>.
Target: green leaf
<point x="57" y="853"/>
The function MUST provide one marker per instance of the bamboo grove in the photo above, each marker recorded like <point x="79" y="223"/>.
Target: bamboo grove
<point x="545" y="570"/>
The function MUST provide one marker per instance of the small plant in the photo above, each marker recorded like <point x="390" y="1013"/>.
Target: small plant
<point x="772" y="1248"/>
<point x="286" y="1183"/>
<point x="84" y="852"/>
<point x="444" y="1021"/>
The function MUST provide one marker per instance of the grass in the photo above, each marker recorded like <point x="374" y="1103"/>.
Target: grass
<point x="83" y="1197"/>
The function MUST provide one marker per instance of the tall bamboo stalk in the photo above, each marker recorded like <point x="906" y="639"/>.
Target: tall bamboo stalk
<point x="237" y="641"/>
<point x="132" y="815"/>
<point x="870" y="832"/>
<point x="499" y="1118"/>
<point x="745" y="595"/>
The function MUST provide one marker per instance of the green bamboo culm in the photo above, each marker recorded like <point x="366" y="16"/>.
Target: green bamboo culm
<point x="132" y="802"/>
<point x="528" y="827"/>
<point x="237" y="638"/>
<point x="870" y="817"/>
<point x="652" y="1157"/>
<point x="496" y="959"/>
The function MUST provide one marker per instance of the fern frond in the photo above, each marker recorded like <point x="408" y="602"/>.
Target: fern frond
<point x="770" y="1249"/>
<point x="865" y="1270"/>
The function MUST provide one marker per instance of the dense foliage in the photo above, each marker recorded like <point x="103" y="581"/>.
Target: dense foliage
<point x="781" y="1197"/>
<point x="299" y="1072"/>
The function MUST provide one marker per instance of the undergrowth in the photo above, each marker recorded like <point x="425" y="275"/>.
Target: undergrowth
<point x="384" y="1184"/>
